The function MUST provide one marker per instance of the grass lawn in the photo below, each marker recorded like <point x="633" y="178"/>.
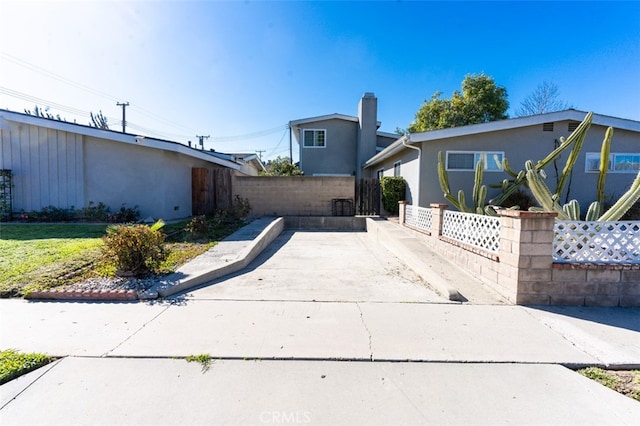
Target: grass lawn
<point x="14" y="364"/>
<point x="40" y="256"/>
<point x="44" y="256"/>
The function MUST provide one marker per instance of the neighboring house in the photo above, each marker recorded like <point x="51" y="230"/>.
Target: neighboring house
<point x="415" y="156"/>
<point x="61" y="164"/>
<point x="338" y="144"/>
<point x="250" y="164"/>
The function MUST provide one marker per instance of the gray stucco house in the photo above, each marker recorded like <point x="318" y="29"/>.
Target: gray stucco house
<point x="338" y="144"/>
<point x="415" y="156"/>
<point x="61" y="164"/>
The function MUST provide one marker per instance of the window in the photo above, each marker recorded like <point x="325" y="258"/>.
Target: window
<point x="618" y="162"/>
<point x="467" y="160"/>
<point x="380" y="173"/>
<point x="314" y="138"/>
<point x="572" y="125"/>
<point x="396" y="168"/>
<point x="547" y="127"/>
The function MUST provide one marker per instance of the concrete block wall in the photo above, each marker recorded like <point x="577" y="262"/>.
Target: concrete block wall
<point x="293" y="195"/>
<point x="523" y="270"/>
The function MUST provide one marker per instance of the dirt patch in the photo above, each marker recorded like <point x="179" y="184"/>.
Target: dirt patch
<point x="626" y="382"/>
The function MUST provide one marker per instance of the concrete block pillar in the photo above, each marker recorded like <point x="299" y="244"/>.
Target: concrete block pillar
<point x="402" y="211"/>
<point x="526" y="246"/>
<point x="437" y="217"/>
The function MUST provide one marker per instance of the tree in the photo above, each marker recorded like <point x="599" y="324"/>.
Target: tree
<point x="98" y="120"/>
<point x="44" y="113"/>
<point x="281" y="166"/>
<point x="545" y="98"/>
<point x="480" y="101"/>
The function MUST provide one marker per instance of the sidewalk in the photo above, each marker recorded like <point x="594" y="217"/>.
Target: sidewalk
<point x="420" y="332"/>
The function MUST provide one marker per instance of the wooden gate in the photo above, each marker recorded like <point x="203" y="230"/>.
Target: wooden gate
<point x="367" y="197"/>
<point x="210" y="190"/>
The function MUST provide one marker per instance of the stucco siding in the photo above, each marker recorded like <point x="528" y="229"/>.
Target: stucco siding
<point x="409" y="170"/>
<point x="157" y="181"/>
<point x="339" y="154"/>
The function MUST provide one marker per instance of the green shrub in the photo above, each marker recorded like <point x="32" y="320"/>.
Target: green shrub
<point x="521" y="199"/>
<point x="393" y="190"/>
<point x="125" y="215"/>
<point x="95" y="213"/>
<point x="135" y="249"/>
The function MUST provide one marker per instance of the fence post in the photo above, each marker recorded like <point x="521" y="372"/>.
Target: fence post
<point x="437" y="216"/>
<point x="526" y="246"/>
<point x="402" y="211"/>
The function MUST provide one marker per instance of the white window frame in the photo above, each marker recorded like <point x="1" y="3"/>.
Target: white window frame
<point x="380" y="173"/>
<point x="314" y="138"/>
<point x="476" y="158"/>
<point x="397" y="168"/>
<point x="613" y="156"/>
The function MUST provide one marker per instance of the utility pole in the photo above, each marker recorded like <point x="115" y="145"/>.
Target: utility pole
<point x="202" y="138"/>
<point x="124" y="105"/>
<point x="290" y="144"/>
<point x="259" y="152"/>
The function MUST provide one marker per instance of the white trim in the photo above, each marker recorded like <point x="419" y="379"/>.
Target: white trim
<point x="115" y="136"/>
<point x="314" y="146"/>
<point x="612" y="162"/>
<point x="335" y="116"/>
<point x="513" y="123"/>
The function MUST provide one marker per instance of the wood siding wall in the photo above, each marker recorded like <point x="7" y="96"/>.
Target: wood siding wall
<point x="47" y="166"/>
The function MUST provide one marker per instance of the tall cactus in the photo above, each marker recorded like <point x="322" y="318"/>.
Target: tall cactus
<point x="534" y="177"/>
<point x="479" y="194"/>
<point x="574" y="141"/>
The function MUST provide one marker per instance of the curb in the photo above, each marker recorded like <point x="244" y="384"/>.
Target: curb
<point x="85" y="295"/>
<point x="242" y="260"/>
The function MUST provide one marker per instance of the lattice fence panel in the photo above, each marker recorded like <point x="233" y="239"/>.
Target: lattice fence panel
<point x="596" y="242"/>
<point x="473" y="229"/>
<point x="418" y="217"/>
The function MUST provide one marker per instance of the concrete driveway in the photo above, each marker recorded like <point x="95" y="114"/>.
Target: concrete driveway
<point x="322" y="266"/>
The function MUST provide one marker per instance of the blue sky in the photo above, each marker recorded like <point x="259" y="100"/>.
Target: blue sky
<point x="235" y="70"/>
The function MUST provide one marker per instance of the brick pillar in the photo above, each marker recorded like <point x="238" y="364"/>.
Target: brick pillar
<point x="402" y="212"/>
<point x="526" y="246"/>
<point x="437" y="214"/>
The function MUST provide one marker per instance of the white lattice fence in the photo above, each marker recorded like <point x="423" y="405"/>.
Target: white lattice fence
<point x="473" y="229"/>
<point x="418" y="217"/>
<point x="596" y="242"/>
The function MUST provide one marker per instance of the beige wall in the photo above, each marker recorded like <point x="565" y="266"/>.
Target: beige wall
<point x="293" y="196"/>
